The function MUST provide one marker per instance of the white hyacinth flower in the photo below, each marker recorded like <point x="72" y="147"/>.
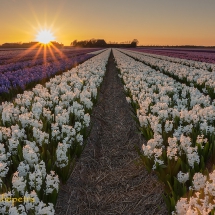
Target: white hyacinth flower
<point x="23" y="169"/>
<point x="128" y="99"/>
<point x="52" y="182"/>
<point x="5" y="205"/>
<point x="13" y="144"/>
<point x="17" y="211"/>
<point x="86" y="120"/>
<point x="19" y="183"/>
<point x="183" y="177"/>
<point x="33" y="201"/>
<point x="199" y="181"/>
<point x="43" y="209"/>
<point x="79" y="139"/>
<point x="3" y="169"/>
<point x="35" y="179"/>
<point x="62" y="159"/>
<point x="29" y="153"/>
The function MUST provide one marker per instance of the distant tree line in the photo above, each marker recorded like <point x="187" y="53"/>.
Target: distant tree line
<point x="175" y="46"/>
<point x="29" y="45"/>
<point x="96" y="43"/>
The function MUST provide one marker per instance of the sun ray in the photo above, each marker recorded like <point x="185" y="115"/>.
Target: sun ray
<point x="44" y="55"/>
<point x="62" y="55"/>
<point x="25" y="52"/>
<point x="36" y="55"/>
<point x="52" y="54"/>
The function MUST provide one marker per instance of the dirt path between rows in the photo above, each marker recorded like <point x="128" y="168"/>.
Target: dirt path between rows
<point x="107" y="179"/>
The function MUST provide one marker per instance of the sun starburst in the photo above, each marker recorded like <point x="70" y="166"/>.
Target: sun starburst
<point x="45" y="36"/>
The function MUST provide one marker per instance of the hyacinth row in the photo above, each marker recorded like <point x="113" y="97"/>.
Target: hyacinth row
<point x="25" y="76"/>
<point x="179" y="123"/>
<point x="18" y="59"/>
<point x="41" y="134"/>
<point x="205" y="56"/>
<point x="202" y="79"/>
<point x="97" y="52"/>
<point x="191" y="63"/>
<point x="32" y="61"/>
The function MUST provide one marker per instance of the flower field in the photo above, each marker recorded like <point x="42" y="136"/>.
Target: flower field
<point x="202" y="79"/>
<point x="190" y="63"/>
<point x="178" y="122"/>
<point x="41" y="133"/>
<point x="195" y="56"/>
<point x="20" y="71"/>
<point x="44" y="130"/>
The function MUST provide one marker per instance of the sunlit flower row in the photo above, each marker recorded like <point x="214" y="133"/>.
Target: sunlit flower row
<point x="97" y="52"/>
<point x="13" y="81"/>
<point x="178" y="121"/>
<point x="203" y="79"/>
<point x="191" y="63"/>
<point x="19" y="59"/>
<point x="41" y="133"/>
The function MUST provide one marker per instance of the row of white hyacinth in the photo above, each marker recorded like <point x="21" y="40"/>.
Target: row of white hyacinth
<point x="200" y="198"/>
<point x="177" y="120"/>
<point x="41" y="132"/>
<point x="97" y="52"/>
<point x="191" y="63"/>
<point x="200" y="78"/>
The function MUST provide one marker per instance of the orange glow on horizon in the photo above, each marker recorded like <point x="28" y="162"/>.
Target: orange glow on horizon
<point x="152" y="22"/>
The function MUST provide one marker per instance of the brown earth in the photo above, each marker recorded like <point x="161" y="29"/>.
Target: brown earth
<point x="108" y="178"/>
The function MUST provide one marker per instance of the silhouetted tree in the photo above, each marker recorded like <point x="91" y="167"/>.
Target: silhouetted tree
<point x="74" y="43"/>
<point x="134" y="43"/>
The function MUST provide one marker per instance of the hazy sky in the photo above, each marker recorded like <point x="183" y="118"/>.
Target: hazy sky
<point x="152" y="22"/>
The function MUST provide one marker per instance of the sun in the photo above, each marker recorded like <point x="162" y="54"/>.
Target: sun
<point x="45" y="36"/>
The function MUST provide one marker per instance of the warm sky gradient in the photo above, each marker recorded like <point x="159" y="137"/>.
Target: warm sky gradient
<point x="152" y="22"/>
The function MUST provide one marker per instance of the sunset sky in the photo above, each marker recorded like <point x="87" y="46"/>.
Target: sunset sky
<point x="152" y="22"/>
